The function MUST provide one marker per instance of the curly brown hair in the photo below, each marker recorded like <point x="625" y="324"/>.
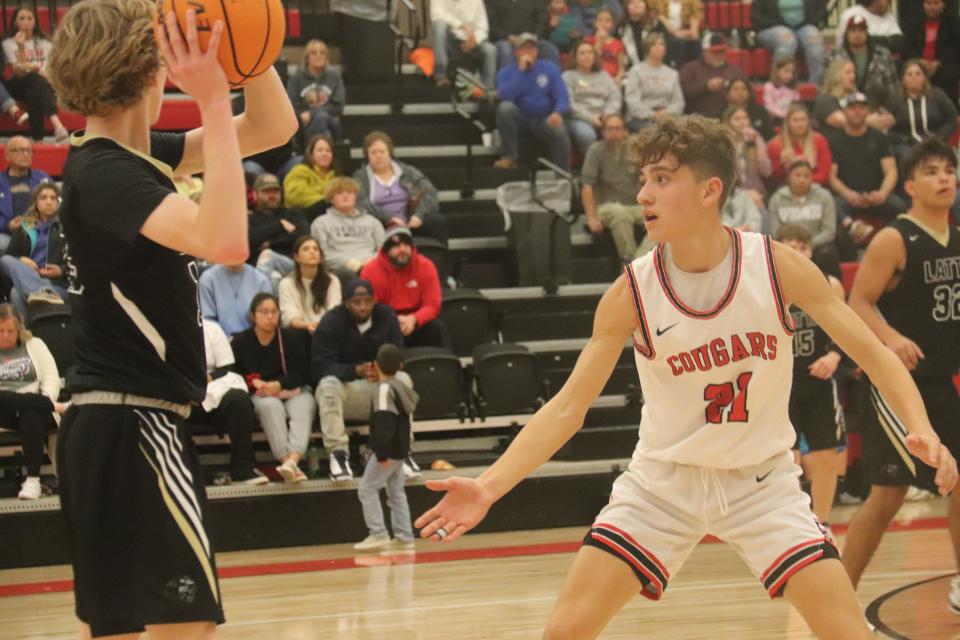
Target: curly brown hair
<point x="702" y="144"/>
<point x="104" y="55"/>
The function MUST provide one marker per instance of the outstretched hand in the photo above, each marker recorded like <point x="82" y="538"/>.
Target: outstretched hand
<point x="465" y="504"/>
<point x="931" y="451"/>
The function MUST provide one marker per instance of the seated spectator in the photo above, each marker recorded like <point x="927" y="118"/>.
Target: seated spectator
<point x="408" y="283"/>
<point x="934" y="36"/>
<point x="305" y="187"/>
<point x="587" y="11"/>
<point x="16" y="186"/>
<point x="509" y="19"/>
<point x="397" y="193"/>
<point x="682" y="19"/>
<point x="310" y="291"/>
<point x="704" y="81"/>
<point x="740" y="212"/>
<point x="652" y="88"/>
<point x="840" y="82"/>
<point x="35" y="260"/>
<point x="535" y="102"/>
<point x="29" y="394"/>
<point x="752" y="158"/>
<point x="317" y="93"/>
<point x="273" y="362"/>
<point x="342" y="353"/>
<point x="609" y="191"/>
<point x="227" y="406"/>
<point x="798" y="140"/>
<point x="608" y="46"/>
<point x="640" y="21"/>
<point x="390" y="437"/>
<point x="921" y="110"/>
<point x="739" y="94"/>
<point x="26" y="50"/>
<point x="881" y="24"/>
<point x="593" y="95"/>
<point x="273" y="228"/>
<point x="226" y="292"/>
<point x="780" y="91"/>
<point x="563" y="27"/>
<point x="348" y="236"/>
<point x="864" y="171"/>
<point x="874" y="66"/>
<point x="804" y="203"/>
<point x="782" y="25"/>
<point x="460" y="28"/>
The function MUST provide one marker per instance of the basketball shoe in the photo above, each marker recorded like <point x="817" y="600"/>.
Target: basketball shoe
<point x="953" y="598"/>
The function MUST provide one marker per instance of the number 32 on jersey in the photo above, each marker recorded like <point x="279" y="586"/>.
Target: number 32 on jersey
<point x="726" y="403"/>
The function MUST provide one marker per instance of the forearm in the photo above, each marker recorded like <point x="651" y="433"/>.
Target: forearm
<point x="589" y="202"/>
<point x="222" y="214"/>
<point x="889" y="182"/>
<point x="869" y="313"/>
<point x="268" y="119"/>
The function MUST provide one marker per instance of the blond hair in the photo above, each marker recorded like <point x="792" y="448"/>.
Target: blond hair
<point x="789" y="142"/>
<point x="340" y="184"/>
<point x="833" y="78"/>
<point x="314" y="44"/>
<point x="104" y="55"/>
<point x="7" y="311"/>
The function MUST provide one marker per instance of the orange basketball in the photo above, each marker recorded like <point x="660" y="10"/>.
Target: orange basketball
<point x="252" y="36"/>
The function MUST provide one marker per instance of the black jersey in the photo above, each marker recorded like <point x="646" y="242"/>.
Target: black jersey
<point x="925" y="305"/>
<point x="135" y="302"/>
<point x="810" y="343"/>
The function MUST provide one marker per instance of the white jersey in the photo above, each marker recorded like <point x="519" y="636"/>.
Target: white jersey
<point x="716" y="383"/>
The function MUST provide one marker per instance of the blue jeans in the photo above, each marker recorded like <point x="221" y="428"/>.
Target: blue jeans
<point x="782" y="42"/>
<point x="583" y="133"/>
<point x="546" y="50"/>
<point x="26" y="281"/>
<point x="389" y="476"/>
<point x="511" y="123"/>
<point x="275" y="266"/>
<point x="444" y="44"/>
<point x="321" y="122"/>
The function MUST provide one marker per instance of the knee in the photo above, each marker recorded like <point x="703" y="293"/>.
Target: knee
<point x="887" y="500"/>
<point x="786" y="40"/>
<point x="507" y="109"/>
<point x="271" y="406"/>
<point x="329" y="390"/>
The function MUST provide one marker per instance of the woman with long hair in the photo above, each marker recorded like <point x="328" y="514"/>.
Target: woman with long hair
<point x="593" y="95"/>
<point x="752" y="159"/>
<point x="305" y="187"/>
<point x="739" y="93"/>
<point x="310" y="290"/>
<point x="920" y="109"/>
<point x="26" y="49"/>
<point x="839" y="82"/>
<point x="797" y="140"/>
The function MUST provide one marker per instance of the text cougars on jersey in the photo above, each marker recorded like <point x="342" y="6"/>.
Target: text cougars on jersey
<point x="721" y="352"/>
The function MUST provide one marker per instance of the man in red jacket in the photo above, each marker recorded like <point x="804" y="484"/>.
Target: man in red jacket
<point x="408" y="283"/>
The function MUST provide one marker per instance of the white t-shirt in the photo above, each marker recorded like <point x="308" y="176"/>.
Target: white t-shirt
<point x="297" y="306"/>
<point x="37" y="51"/>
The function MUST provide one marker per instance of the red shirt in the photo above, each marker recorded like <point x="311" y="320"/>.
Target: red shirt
<point x="823" y="159"/>
<point x="931" y="29"/>
<point x="414" y="289"/>
<point x="609" y="54"/>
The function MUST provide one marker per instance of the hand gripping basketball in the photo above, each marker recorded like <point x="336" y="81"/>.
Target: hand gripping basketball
<point x="461" y="509"/>
<point x="929" y="449"/>
<point x="194" y="71"/>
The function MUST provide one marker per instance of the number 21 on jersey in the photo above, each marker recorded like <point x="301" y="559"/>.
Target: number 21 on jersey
<point x="726" y="404"/>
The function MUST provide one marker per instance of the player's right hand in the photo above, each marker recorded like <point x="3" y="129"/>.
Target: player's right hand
<point x="907" y="350"/>
<point x="194" y="71"/>
<point x="461" y="509"/>
<point x="933" y="452"/>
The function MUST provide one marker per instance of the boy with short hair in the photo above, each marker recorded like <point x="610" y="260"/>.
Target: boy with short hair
<point x="393" y="405"/>
<point x="349" y="237"/>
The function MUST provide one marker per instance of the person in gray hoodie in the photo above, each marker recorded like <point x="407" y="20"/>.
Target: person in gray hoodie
<point x="317" y="94"/>
<point x="806" y="204"/>
<point x="390" y="425"/>
<point x="593" y="95"/>
<point x="348" y="236"/>
<point x="652" y="87"/>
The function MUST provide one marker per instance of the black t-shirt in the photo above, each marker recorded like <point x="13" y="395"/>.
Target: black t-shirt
<point x="135" y="302"/>
<point x="858" y="158"/>
<point x="20" y="193"/>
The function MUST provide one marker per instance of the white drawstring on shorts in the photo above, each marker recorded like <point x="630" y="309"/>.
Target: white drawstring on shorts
<point x="708" y="477"/>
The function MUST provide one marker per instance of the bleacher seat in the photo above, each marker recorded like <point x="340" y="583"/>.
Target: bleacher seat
<point x="438" y="378"/>
<point x="437" y="253"/>
<point x="507" y="379"/>
<point x="53" y="324"/>
<point x="468" y="315"/>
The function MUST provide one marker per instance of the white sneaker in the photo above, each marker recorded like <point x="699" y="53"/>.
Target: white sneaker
<point x="953" y="598"/>
<point x="410" y="467"/>
<point x="256" y="479"/>
<point x="372" y="542"/>
<point x="44" y="296"/>
<point x="340" y="466"/>
<point x="288" y="470"/>
<point x="30" y="489"/>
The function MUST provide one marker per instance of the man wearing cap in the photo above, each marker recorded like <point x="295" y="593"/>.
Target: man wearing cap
<point x="881" y="24"/>
<point x="273" y="229"/>
<point x="864" y="172"/>
<point x="704" y="81"/>
<point x="343" y="350"/>
<point x="875" y="67"/>
<point x="535" y="101"/>
<point x="409" y="284"/>
<point x="510" y="18"/>
<point x="782" y="25"/>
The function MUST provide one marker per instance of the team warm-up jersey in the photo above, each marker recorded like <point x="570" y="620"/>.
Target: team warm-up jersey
<point x="134" y="301"/>
<point x="925" y="305"/>
<point x="716" y="383"/>
<point x="810" y="343"/>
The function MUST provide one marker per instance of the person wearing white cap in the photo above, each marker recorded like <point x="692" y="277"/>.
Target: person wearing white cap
<point x="881" y="23"/>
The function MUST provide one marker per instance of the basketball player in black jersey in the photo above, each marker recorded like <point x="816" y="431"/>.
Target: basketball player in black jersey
<point x="908" y="292"/>
<point x="131" y="485"/>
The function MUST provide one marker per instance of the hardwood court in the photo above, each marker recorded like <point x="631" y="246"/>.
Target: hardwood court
<point x="503" y="586"/>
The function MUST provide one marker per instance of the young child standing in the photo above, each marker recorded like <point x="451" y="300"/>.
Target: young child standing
<point x="780" y="91"/>
<point x="608" y="46"/>
<point x="393" y="403"/>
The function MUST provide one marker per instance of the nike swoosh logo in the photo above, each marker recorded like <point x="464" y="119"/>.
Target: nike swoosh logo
<point x="660" y="331"/>
<point x="914" y="238"/>
<point x="764" y="476"/>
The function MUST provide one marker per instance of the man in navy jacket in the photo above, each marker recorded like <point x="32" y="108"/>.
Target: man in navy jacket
<point x="16" y="186"/>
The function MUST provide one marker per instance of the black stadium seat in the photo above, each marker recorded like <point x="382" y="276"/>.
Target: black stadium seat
<point x="507" y="379"/>
<point x="469" y="317"/>
<point x="438" y="379"/>
<point x="53" y="324"/>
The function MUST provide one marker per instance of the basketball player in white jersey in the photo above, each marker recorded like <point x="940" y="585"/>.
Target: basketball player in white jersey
<point x="707" y="312"/>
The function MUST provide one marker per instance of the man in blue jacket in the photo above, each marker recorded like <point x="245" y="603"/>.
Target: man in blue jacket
<point x="343" y="350"/>
<point x="534" y="102"/>
<point x="16" y="186"/>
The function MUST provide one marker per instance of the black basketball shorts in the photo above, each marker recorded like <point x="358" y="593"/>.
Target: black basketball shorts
<point x="886" y="459"/>
<point x="133" y="497"/>
<point x="816" y="414"/>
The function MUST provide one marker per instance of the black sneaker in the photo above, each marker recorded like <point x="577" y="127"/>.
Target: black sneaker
<point x="340" y="466"/>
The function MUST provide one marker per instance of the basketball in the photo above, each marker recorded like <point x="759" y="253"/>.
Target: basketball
<point x="252" y="36"/>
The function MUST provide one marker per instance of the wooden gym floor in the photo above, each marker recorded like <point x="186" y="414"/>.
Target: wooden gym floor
<point x="502" y="586"/>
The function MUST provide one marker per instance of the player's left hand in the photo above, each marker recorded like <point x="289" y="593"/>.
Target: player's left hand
<point x="825" y="366"/>
<point x="933" y="452"/>
<point x="196" y="72"/>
